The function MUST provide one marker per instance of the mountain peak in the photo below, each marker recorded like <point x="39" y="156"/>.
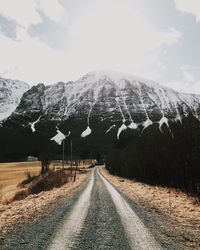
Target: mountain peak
<point x="117" y="77"/>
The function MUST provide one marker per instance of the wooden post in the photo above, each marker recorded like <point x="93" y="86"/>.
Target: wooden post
<point x="76" y="170"/>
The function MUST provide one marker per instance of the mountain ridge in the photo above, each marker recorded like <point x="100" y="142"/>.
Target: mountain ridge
<point x="122" y="99"/>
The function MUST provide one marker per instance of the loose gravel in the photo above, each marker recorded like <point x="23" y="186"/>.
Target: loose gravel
<point x="102" y="226"/>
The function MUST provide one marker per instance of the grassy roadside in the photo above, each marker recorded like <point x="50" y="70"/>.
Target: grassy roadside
<point x="173" y="208"/>
<point x="11" y="174"/>
<point x="21" y="211"/>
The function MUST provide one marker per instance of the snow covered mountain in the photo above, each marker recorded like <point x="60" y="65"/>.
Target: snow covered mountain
<point x="107" y="101"/>
<point x="11" y="92"/>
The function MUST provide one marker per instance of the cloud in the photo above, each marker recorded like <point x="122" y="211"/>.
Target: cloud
<point x="115" y="36"/>
<point x="32" y="60"/>
<point x="187" y="81"/>
<point x="21" y="11"/>
<point x="104" y="35"/>
<point x="189" y="77"/>
<point x="189" y="6"/>
<point x="26" y="13"/>
<point x="184" y="86"/>
<point x="53" y="9"/>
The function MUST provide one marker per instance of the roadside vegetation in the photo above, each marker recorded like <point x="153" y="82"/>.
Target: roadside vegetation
<point x="176" y="212"/>
<point x="21" y="179"/>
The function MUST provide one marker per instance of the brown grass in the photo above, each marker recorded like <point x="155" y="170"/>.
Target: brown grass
<point x="11" y="174"/>
<point x="33" y="206"/>
<point x="179" y="207"/>
<point x="46" y="182"/>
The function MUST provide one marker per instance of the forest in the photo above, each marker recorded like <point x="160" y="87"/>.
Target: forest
<point x="168" y="158"/>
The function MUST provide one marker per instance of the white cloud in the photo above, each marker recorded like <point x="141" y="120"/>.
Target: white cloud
<point x="188" y="76"/>
<point x="189" y="6"/>
<point x="25" y="12"/>
<point x="53" y="9"/>
<point x="184" y="86"/>
<point x="187" y="82"/>
<point x="114" y="36"/>
<point x="32" y="60"/>
<point x="105" y="35"/>
<point x="22" y="11"/>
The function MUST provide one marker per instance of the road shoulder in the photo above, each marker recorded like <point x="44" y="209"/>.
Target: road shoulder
<point x="16" y="217"/>
<point x="168" y="230"/>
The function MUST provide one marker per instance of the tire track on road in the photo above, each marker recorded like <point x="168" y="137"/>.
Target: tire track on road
<point x="69" y="230"/>
<point x="138" y="235"/>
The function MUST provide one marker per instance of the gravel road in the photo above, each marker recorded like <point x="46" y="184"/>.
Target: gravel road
<point x="97" y="217"/>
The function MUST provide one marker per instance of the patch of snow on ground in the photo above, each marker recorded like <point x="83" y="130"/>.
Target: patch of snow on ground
<point x="146" y="124"/>
<point x="122" y="128"/>
<point x="133" y="125"/>
<point x="59" y="137"/>
<point x="86" y="132"/>
<point x="162" y="121"/>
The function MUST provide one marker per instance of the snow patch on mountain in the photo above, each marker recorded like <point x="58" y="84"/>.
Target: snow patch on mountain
<point x="106" y="96"/>
<point x="111" y="127"/>
<point x="133" y="125"/>
<point x="11" y="92"/>
<point x="122" y="128"/>
<point x="32" y="124"/>
<point x="162" y="121"/>
<point x="59" y="137"/>
<point x="86" y="132"/>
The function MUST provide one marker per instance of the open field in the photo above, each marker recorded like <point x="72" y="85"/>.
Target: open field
<point x="11" y="174"/>
<point x="33" y="206"/>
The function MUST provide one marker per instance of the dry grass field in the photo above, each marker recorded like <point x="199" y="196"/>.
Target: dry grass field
<point x="11" y="174"/>
<point x="34" y="205"/>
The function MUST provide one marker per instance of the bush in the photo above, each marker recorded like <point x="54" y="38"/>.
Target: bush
<point x="49" y="181"/>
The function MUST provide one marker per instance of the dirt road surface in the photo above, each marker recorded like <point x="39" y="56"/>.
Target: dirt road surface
<point x="96" y="217"/>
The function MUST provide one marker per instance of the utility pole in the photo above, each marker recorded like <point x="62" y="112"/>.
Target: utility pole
<point x="63" y="154"/>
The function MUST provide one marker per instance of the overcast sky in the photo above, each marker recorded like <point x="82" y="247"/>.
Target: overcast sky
<point x="61" y="40"/>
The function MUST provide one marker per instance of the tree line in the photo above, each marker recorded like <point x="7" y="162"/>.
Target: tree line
<point x="169" y="158"/>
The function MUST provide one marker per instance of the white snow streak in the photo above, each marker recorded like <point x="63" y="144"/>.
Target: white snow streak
<point x="122" y="128"/>
<point x="32" y="124"/>
<point x="146" y="124"/>
<point x="162" y="121"/>
<point x="88" y="118"/>
<point x="124" y="101"/>
<point x="107" y="131"/>
<point x="117" y="100"/>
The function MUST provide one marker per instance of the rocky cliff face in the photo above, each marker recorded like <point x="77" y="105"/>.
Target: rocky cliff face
<point x="117" y="101"/>
<point x="11" y="92"/>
